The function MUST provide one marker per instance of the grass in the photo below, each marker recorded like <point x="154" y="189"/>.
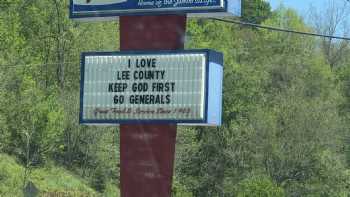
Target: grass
<point x="56" y="180"/>
<point x="11" y="176"/>
<point x="51" y="181"/>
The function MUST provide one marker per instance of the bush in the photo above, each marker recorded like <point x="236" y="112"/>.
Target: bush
<point x="259" y="186"/>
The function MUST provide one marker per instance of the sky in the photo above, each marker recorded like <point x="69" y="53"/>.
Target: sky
<point x="302" y="6"/>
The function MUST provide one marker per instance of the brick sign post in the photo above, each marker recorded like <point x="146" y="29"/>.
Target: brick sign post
<point x="147" y="151"/>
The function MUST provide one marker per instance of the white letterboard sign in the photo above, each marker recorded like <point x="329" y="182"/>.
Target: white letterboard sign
<point x="180" y="87"/>
<point x="85" y="9"/>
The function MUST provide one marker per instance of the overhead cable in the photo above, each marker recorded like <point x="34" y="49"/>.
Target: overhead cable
<point x="280" y="29"/>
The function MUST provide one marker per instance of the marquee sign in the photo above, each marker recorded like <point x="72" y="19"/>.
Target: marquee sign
<point x="180" y="87"/>
<point x="115" y="8"/>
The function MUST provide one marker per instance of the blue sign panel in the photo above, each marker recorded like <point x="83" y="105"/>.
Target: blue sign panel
<point x="178" y="87"/>
<point x="114" y="8"/>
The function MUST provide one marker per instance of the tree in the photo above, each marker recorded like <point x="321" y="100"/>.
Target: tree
<point x="343" y="75"/>
<point x="255" y="11"/>
<point x="280" y="111"/>
<point x="332" y="19"/>
<point x="259" y="186"/>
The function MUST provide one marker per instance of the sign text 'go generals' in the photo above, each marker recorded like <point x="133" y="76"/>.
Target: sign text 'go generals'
<point x="114" y="8"/>
<point x="172" y="87"/>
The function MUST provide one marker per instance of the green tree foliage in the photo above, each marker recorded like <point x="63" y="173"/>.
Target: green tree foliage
<point x="280" y="115"/>
<point x="255" y="11"/>
<point x="34" y="122"/>
<point x="343" y="76"/>
<point x="259" y="186"/>
<point x="39" y="56"/>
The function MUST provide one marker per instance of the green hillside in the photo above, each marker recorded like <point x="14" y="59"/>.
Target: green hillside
<point x="48" y="180"/>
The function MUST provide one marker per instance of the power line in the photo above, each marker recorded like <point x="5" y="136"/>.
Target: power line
<point x="226" y="21"/>
<point x="279" y="29"/>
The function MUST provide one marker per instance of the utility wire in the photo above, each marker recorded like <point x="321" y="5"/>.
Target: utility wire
<point x="279" y="29"/>
<point x="231" y="22"/>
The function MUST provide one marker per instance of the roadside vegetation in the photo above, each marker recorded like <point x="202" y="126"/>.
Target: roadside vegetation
<point x="286" y="114"/>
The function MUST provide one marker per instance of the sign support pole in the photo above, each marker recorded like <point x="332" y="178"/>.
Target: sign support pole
<point x="147" y="151"/>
